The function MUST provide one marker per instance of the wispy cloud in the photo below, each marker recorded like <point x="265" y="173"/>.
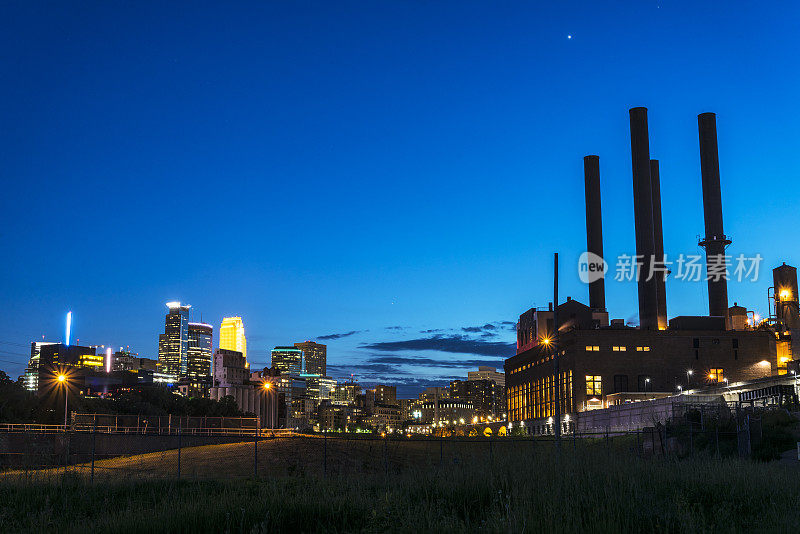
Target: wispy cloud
<point x="434" y="362"/>
<point x="340" y="336"/>
<point x="457" y="344"/>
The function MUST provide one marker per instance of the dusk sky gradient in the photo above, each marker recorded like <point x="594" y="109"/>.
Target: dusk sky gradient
<point x="391" y="178"/>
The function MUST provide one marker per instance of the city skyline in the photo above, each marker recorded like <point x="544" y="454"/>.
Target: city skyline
<point x="396" y="197"/>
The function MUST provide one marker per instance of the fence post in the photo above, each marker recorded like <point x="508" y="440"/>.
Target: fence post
<point x="94" y="439"/>
<point x="324" y="454"/>
<point x="638" y="447"/>
<point x="255" y="455"/>
<point x="386" y="456"/>
<point x="180" y="427"/>
<point x="491" y="451"/>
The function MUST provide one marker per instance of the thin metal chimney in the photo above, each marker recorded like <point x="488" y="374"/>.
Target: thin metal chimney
<point x="643" y="218"/>
<point x="658" y="241"/>
<point x="715" y="240"/>
<point x="594" y="227"/>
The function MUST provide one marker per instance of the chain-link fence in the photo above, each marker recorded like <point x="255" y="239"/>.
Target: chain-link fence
<point x="97" y="450"/>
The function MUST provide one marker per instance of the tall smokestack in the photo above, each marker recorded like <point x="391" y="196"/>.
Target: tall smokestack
<point x="715" y="240"/>
<point x="643" y="218"/>
<point x="658" y="241"/>
<point x="594" y="227"/>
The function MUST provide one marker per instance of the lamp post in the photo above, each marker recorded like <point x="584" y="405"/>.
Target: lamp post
<point x="646" y="383"/>
<point x="62" y="379"/>
<point x="688" y="377"/>
<point x="267" y="390"/>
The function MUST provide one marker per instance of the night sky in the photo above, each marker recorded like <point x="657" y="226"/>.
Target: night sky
<point x="390" y="178"/>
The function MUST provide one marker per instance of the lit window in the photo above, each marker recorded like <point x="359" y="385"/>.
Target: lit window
<point x="617" y="348"/>
<point x="594" y="385"/>
<point x="592" y="348"/>
<point x="715" y="375"/>
<point x="643" y="349"/>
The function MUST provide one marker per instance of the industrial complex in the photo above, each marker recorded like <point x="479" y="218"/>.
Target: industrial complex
<point x="606" y="368"/>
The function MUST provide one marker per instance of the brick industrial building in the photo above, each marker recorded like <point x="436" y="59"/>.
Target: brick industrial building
<point x="604" y="362"/>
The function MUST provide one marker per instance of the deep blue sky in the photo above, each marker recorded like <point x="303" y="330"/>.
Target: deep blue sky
<point x="327" y="167"/>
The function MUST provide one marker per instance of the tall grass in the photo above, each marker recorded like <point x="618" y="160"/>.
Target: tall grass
<point x="519" y="488"/>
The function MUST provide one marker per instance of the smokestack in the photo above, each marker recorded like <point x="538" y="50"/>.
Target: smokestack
<point x="594" y="227"/>
<point x="658" y="241"/>
<point x="643" y="218"/>
<point x="715" y="240"/>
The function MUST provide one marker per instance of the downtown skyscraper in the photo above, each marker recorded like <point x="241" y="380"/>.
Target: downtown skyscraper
<point x="315" y="357"/>
<point x="200" y="352"/>
<point x="287" y="360"/>
<point x="173" y="344"/>
<point x="231" y="335"/>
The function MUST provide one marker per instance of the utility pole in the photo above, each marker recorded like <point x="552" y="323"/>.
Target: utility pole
<point x="556" y="350"/>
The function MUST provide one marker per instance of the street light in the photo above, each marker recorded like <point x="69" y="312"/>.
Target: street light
<point x="688" y="377"/>
<point x="62" y="379"/>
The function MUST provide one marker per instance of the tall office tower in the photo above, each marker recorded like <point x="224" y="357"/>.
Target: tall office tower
<point x="32" y="371"/>
<point x="315" y="356"/>
<point x="173" y="344"/>
<point x="201" y="347"/>
<point x="231" y="336"/>
<point x="287" y="360"/>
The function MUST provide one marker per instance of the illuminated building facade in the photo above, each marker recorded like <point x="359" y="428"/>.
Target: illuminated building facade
<point x="231" y="335"/>
<point x="287" y="360"/>
<point x="487" y="373"/>
<point x="601" y="365"/>
<point x="345" y="393"/>
<point x="315" y="357"/>
<point x="486" y="396"/>
<point x="57" y="357"/>
<point x="200" y="351"/>
<point x="173" y="344"/>
<point x="31" y="376"/>
<point x="319" y="387"/>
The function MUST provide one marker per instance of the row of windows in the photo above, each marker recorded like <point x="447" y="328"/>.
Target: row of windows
<point x="528" y="366"/>
<point x="594" y="383"/>
<point x="616" y="348"/>
<point x="536" y="399"/>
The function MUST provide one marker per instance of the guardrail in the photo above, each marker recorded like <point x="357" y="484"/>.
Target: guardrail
<point x="142" y="430"/>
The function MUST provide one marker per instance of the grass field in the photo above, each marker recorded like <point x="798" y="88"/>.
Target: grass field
<point x="403" y="487"/>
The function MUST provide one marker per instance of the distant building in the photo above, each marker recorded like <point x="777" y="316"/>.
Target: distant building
<point x="232" y="378"/>
<point x="385" y="394"/>
<point x="346" y="393"/>
<point x="229" y="368"/>
<point x="124" y="360"/>
<point x="488" y="373"/>
<point x="198" y="368"/>
<point x="287" y="360"/>
<point x="446" y="412"/>
<point x="315" y="357"/>
<point x="385" y="417"/>
<point x="486" y="396"/>
<point x="231" y="336"/>
<point x="173" y="344"/>
<point x="319" y="387"/>
<point x="31" y="376"/>
<point x="57" y="357"/>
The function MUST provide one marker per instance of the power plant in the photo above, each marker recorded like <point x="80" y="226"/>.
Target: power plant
<point x="607" y="368"/>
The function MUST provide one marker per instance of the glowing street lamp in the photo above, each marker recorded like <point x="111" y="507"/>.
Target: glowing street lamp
<point x="62" y="379"/>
